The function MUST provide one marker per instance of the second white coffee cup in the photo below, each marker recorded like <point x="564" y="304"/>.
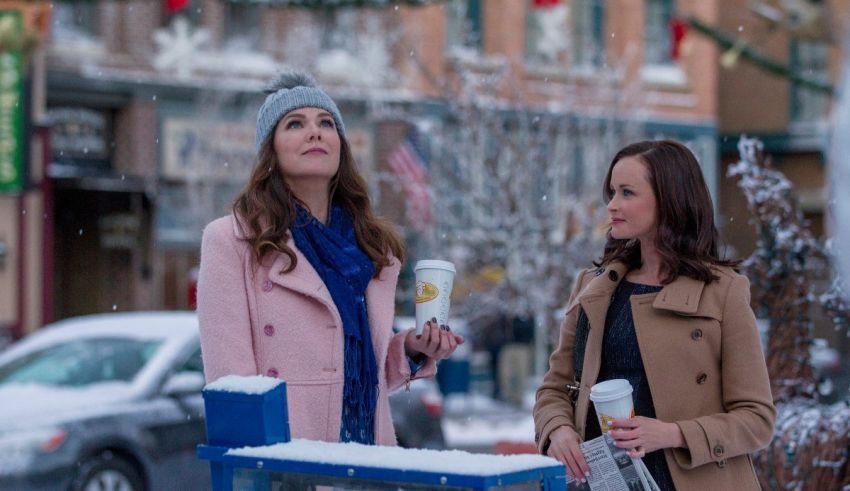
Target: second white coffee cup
<point x="612" y="399"/>
<point x="434" y="280"/>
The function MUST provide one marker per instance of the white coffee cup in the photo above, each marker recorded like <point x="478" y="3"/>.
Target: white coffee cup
<point x="612" y="399"/>
<point x="434" y="280"/>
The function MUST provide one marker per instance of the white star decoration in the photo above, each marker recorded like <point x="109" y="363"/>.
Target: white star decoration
<point x="178" y="47"/>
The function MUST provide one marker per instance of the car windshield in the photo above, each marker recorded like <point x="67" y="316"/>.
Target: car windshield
<point x="81" y="362"/>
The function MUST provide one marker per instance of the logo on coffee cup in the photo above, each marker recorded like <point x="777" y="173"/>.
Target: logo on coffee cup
<point x="425" y="291"/>
<point x="605" y="421"/>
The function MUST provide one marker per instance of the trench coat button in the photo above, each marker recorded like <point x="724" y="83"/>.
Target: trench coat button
<point x="272" y="372"/>
<point x="268" y="329"/>
<point x="721" y="463"/>
<point x="701" y="378"/>
<point x="718" y="450"/>
<point x="696" y="334"/>
<point x="267" y="286"/>
<point x="613" y="276"/>
<point x="599" y="272"/>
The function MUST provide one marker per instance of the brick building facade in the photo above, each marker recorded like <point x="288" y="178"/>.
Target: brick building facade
<point x="170" y="135"/>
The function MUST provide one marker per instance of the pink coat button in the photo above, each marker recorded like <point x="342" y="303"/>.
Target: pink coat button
<point x="267" y="286"/>
<point x="272" y="372"/>
<point x="268" y="329"/>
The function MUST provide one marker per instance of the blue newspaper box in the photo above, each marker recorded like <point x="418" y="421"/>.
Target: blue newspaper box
<point x="237" y="418"/>
<point x="453" y="376"/>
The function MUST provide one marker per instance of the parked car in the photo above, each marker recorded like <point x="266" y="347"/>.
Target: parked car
<point x="418" y="409"/>
<point x="417" y="415"/>
<point x="113" y="401"/>
<point x="107" y="401"/>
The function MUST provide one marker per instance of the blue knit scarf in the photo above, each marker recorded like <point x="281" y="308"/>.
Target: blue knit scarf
<point x="346" y="271"/>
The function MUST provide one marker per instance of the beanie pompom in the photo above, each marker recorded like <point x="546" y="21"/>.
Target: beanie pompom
<point x="290" y="79"/>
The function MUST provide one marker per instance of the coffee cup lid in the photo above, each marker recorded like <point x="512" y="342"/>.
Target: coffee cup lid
<point x="610" y="390"/>
<point x="434" y="264"/>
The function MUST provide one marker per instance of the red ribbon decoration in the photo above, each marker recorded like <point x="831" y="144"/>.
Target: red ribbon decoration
<point x="678" y="31"/>
<point x="172" y="6"/>
<point x="544" y="4"/>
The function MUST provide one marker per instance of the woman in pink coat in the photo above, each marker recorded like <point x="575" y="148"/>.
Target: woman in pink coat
<point x="299" y="281"/>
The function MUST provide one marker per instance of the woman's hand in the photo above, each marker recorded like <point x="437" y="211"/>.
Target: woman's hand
<point x="437" y="342"/>
<point x="564" y="446"/>
<point x="642" y="435"/>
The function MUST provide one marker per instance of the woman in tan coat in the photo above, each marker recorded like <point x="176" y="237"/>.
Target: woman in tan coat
<point x="665" y="312"/>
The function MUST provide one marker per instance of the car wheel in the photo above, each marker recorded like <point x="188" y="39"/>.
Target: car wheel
<point x="107" y="472"/>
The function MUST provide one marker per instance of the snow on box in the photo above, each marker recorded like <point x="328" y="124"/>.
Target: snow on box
<point x="385" y="457"/>
<point x="256" y="384"/>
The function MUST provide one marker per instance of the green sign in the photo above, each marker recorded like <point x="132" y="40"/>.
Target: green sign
<point x="11" y="105"/>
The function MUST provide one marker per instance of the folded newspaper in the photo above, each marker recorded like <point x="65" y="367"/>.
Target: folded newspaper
<point x="611" y="468"/>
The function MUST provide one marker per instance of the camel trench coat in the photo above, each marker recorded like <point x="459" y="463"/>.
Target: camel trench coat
<point x="704" y="364"/>
<point x="258" y="320"/>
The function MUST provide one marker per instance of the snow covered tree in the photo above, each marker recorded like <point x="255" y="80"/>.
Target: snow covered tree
<point x="810" y="447"/>
<point x="516" y="193"/>
<point x="779" y="270"/>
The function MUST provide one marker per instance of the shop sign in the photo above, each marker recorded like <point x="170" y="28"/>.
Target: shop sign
<point x="197" y="149"/>
<point x="77" y="133"/>
<point x="11" y="106"/>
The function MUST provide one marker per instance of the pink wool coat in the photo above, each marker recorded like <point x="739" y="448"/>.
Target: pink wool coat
<point x="255" y="319"/>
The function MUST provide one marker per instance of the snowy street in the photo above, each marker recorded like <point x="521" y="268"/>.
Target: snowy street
<point x="478" y="423"/>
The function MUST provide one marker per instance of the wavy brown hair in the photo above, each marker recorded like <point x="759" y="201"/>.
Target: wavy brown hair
<point x="687" y="239"/>
<point x="265" y="210"/>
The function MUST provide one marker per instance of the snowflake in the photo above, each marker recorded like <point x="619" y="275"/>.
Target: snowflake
<point x="178" y="47"/>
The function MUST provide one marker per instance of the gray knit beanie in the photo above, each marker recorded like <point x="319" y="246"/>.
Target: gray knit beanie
<point x="293" y="90"/>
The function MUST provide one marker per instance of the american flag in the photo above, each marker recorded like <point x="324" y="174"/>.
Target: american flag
<point x="408" y="161"/>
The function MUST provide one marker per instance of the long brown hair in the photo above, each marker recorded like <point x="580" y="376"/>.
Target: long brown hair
<point x="687" y="239"/>
<point x="265" y="210"/>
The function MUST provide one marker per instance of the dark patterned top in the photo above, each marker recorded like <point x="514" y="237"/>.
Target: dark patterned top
<point x="621" y="359"/>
